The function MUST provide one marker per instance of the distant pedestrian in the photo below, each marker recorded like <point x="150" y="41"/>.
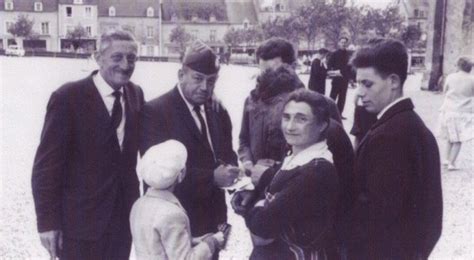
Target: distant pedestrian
<point x="318" y="73"/>
<point x="160" y="225"/>
<point x="456" y="118"/>
<point x="397" y="208"/>
<point x="340" y="72"/>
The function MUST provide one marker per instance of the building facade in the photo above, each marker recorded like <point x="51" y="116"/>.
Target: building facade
<point x="43" y="14"/>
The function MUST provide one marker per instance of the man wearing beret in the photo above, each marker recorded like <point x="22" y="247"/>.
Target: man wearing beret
<point x="188" y="114"/>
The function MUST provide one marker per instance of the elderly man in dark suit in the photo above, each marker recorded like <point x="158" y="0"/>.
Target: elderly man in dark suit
<point x="189" y="114"/>
<point x="84" y="180"/>
<point x="397" y="211"/>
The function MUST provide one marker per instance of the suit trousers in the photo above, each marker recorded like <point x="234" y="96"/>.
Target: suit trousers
<point x="339" y="92"/>
<point x="115" y="243"/>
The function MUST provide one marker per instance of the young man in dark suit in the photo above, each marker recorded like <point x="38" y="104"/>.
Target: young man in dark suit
<point x="397" y="211"/>
<point x="84" y="180"/>
<point x="318" y="74"/>
<point x="340" y="72"/>
<point x="189" y="114"/>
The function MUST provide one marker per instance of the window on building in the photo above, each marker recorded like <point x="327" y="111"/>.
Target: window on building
<point x="150" y="50"/>
<point x="69" y="28"/>
<point x="194" y="34"/>
<point x="246" y="23"/>
<point x="68" y="11"/>
<point x="149" y="31"/>
<point x="89" y="30"/>
<point x="111" y="11"/>
<point x="88" y="11"/>
<point x="416" y="12"/>
<point x="174" y="17"/>
<point x="150" y="12"/>
<point x="78" y="2"/>
<point x="212" y="36"/>
<point x="45" y="28"/>
<point x="422" y="14"/>
<point x="212" y="18"/>
<point x="38" y="6"/>
<point x="8" y="5"/>
<point x="7" y="26"/>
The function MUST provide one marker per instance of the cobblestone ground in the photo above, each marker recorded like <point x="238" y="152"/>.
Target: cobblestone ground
<point x="25" y="91"/>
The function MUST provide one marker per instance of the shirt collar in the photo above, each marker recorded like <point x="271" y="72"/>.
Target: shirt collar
<point x="105" y="90"/>
<point x="162" y="194"/>
<point x="188" y="104"/>
<point x="317" y="150"/>
<point x="385" y="109"/>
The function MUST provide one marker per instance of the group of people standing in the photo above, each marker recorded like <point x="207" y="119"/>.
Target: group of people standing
<point x="312" y="196"/>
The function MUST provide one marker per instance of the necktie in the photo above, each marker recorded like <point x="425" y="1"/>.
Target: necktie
<point x="116" y="110"/>
<point x="197" y="109"/>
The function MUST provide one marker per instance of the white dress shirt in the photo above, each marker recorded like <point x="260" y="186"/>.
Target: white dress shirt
<point x="106" y="92"/>
<point x="380" y="114"/>
<point x="195" y="117"/>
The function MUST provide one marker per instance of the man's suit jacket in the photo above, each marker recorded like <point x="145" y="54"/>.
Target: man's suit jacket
<point x="79" y="170"/>
<point x="317" y="77"/>
<point x="168" y="117"/>
<point x="397" y="213"/>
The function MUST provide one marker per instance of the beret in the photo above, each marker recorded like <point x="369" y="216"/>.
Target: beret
<point x="162" y="163"/>
<point x="201" y="58"/>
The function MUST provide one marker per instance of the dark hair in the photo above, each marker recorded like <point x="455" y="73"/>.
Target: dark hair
<point x="317" y="102"/>
<point x="276" y="47"/>
<point x="116" y="35"/>
<point x="387" y="56"/>
<point x="323" y="51"/>
<point x="464" y="64"/>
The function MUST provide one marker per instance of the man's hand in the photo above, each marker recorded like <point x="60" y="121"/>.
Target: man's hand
<point x="257" y="172"/>
<point x="53" y="242"/>
<point x="225" y="175"/>
<point x="241" y="200"/>
<point x="247" y="165"/>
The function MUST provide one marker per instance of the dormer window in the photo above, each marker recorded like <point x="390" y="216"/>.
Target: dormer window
<point x="8" y="5"/>
<point x="150" y="12"/>
<point x="111" y="11"/>
<point x="78" y="2"/>
<point x="38" y="6"/>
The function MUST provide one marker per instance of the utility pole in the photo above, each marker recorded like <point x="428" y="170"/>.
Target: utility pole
<point x="437" y="55"/>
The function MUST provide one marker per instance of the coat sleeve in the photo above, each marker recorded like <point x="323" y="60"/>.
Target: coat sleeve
<point x="49" y="164"/>
<point x="387" y="181"/>
<point x="176" y="240"/>
<point x="229" y="153"/>
<point x="312" y="75"/>
<point x="244" y="151"/>
<point x="150" y="131"/>
<point x="309" y="194"/>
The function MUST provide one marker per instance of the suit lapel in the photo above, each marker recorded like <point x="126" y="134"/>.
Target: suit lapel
<point x="399" y="107"/>
<point x="183" y="111"/>
<point x="213" y="130"/>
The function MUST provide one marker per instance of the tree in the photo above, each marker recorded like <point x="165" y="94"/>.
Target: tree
<point x="280" y="27"/>
<point x="23" y="27"/>
<point x="411" y="36"/>
<point x="180" y="37"/>
<point x="307" y="22"/>
<point x="335" y="18"/>
<point x="385" y="22"/>
<point x="233" y="37"/>
<point x="77" y="35"/>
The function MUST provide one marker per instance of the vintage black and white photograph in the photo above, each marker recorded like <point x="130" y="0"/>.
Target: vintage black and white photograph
<point x="237" y="129"/>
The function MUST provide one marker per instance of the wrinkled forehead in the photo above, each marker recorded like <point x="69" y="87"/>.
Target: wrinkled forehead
<point x="118" y="46"/>
<point x="294" y="108"/>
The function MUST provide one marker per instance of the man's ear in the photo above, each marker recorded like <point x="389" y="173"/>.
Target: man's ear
<point x="395" y="81"/>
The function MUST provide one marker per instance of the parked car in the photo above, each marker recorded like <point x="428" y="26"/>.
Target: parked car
<point x="14" y="50"/>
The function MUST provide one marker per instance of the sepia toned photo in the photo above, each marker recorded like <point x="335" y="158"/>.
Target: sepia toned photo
<point x="236" y="129"/>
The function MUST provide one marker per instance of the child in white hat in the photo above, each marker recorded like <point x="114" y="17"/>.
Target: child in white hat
<point x="159" y="224"/>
